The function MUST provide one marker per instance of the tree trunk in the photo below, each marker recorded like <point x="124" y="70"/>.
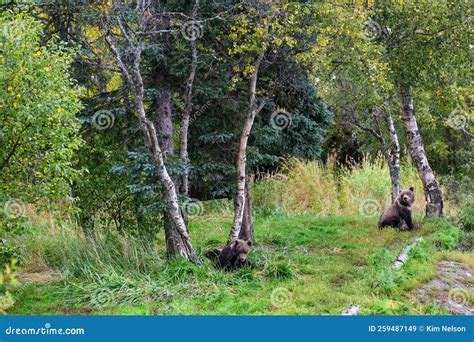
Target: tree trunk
<point x="188" y="106"/>
<point x="174" y="241"/>
<point x="433" y="196"/>
<point x="178" y="241"/>
<point x="246" y="233"/>
<point x="164" y="121"/>
<point x="242" y="196"/>
<point x="394" y="160"/>
<point x="181" y="246"/>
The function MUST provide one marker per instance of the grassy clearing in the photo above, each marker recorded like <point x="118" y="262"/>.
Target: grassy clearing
<point x="315" y="254"/>
<point x="304" y="264"/>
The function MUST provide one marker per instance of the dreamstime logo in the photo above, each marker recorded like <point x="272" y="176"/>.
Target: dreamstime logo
<point x="281" y="297"/>
<point x="458" y="119"/>
<point x="459" y="296"/>
<point x="103" y="297"/>
<point x="280" y="119"/>
<point x="103" y="119"/>
<point x="201" y="111"/>
<point x="192" y="207"/>
<point x="192" y="30"/>
<point x="371" y="29"/>
<point x="15" y="207"/>
<point x="369" y="207"/>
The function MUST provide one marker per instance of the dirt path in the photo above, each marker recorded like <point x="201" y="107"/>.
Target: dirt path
<point x="452" y="288"/>
<point x="37" y="275"/>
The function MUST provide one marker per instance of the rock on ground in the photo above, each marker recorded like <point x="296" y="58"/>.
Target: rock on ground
<point x="452" y="288"/>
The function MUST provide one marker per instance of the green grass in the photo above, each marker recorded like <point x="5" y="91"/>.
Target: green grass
<point x="304" y="265"/>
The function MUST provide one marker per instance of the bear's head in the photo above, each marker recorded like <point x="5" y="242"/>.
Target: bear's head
<point x="241" y="248"/>
<point x="407" y="197"/>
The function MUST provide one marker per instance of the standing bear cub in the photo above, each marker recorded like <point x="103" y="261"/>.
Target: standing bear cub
<point x="399" y="211"/>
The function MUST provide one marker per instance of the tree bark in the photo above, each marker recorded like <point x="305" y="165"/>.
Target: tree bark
<point x="164" y="120"/>
<point x="178" y="241"/>
<point x="433" y="196"/>
<point x="242" y="196"/>
<point x="394" y="157"/>
<point x="188" y="106"/>
<point x="246" y="232"/>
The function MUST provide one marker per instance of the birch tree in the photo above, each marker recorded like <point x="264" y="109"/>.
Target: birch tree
<point x="126" y="42"/>
<point x="421" y="38"/>
<point x="188" y="107"/>
<point x="259" y="31"/>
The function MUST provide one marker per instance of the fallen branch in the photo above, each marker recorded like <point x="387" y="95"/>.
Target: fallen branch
<point x="403" y="256"/>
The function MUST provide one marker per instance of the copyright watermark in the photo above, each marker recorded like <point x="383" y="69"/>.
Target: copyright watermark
<point x="192" y="30"/>
<point x="458" y="119"/>
<point x="47" y="329"/>
<point x="371" y="29"/>
<point x="280" y="119"/>
<point x="103" y="119"/>
<point x="281" y="297"/>
<point x="15" y="207"/>
<point x="193" y="207"/>
<point x="370" y="207"/>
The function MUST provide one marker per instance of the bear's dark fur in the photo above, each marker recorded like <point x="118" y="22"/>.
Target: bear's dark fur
<point x="399" y="211"/>
<point x="232" y="256"/>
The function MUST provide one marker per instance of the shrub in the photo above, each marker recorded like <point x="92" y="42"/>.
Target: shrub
<point x="447" y="238"/>
<point x="466" y="218"/>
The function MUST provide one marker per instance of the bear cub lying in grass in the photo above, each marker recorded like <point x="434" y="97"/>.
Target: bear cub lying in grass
<point x="400" y="211"/>
<point x="232" y="256"/>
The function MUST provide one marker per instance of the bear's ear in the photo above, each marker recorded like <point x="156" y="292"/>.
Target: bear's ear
<point x="412" y="189"/>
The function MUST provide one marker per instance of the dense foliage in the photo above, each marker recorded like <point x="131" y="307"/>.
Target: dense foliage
<point x="71" y="145"/>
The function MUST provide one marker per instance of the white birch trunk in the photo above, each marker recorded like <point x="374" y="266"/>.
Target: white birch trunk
<point x="240" y="197"/>
<point x="184" y="246"/>
<point x="394" y="162"/>
<point x="433" y="196"/>
<point x="188" y="106"/>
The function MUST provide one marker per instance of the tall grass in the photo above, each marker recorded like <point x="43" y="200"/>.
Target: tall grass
<point x="110" y="269"/>
<point x="326" y="190"/>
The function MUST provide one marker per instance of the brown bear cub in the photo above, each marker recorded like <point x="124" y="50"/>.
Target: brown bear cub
<point x="233" y="256"/>
<point x="399" y="211"/>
